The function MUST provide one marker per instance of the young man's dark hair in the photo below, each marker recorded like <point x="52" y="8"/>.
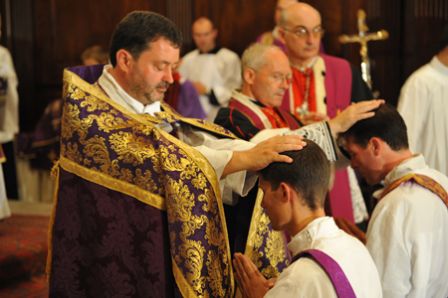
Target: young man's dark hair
<point x="138" y="29"/>
<point x="387" y="124"/>
<point x="308" y="174"/>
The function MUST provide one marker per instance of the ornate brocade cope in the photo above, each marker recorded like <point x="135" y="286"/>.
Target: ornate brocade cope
<point x="422" y="180"/>
<point x="265" y="247"/>
<point x="127" y="153"/>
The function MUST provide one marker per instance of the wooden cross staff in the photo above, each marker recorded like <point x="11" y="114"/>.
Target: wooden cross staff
<point x="363" y="38"/>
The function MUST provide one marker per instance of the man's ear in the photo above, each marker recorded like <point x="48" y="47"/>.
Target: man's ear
<point x="376" y="145"/>
<point x="282" y="32"/>
<point x="249" y="75"/>
<point x="124" y="59"/>
<point x="215" y="33"/>
<point x="287" y="192"/>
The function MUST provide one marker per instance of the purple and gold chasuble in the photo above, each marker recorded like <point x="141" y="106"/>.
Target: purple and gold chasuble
<point x="138" y="213"/>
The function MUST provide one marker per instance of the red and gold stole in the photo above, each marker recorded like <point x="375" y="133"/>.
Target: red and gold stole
<point x="304" y="89"/>
<point x="422" y="180"/>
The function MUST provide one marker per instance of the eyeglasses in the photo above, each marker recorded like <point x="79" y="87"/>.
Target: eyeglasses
<point x="302" y="32"/>
<point x="280" y="78"/>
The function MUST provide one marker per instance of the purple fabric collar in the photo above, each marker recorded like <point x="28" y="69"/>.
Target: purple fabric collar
<point x="340" y="282"/>
<point x="90" y="74"/>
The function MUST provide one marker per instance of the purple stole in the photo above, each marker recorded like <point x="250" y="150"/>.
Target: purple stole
<point x="183" y="98"/>
<point x="137" y="212"/>
<point x="337" y="276"/>
<point x="338" y="86"/>
<point x="189" y="104"/>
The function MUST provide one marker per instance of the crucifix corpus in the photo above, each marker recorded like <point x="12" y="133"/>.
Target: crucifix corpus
<point x="363" y="37"/>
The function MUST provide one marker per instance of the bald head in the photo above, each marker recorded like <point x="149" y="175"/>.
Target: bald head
<point x="202" y="23"/>
<point x="301" y="29"/>
<point x="299" y="13"/>
<point x="204" y="34"/>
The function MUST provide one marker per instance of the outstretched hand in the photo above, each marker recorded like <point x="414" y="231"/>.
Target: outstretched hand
<point x="251" y="282"/>
<point x="270" y="151"/>
<point x="352" y="114"/>
<point x="264" y="154"/>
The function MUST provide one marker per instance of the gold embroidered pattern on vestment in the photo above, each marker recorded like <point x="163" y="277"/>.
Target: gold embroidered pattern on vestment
<point x="105" y="144"/>
<point x="264" y="244"/>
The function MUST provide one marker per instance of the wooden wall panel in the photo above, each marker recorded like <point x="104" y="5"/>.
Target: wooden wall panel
<point x="47" y="35"/>
<point x="386" y="63"/>
<point x="239" y="21"/>
<point x="423" y="23"/>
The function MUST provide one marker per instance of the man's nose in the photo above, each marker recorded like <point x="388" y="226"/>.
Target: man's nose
<point x="285" y="83"/>
<point x="168" y="75"/>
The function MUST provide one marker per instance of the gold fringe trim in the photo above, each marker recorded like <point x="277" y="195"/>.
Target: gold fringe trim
<point x="2" y="155"/>
<point x="253" y="226"/>
<point x="127" y="188"/>
<point x="55" y="174"/>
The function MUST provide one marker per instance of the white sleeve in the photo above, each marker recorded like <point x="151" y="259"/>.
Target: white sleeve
<point x="318" y="132"/>
<point x="219" y="152"/>
<point x="230" y="74"/>
<point x="414" y="108"/>
<point x="10" y="125"/>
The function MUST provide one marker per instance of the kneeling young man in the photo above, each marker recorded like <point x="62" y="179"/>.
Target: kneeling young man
<point x="294" y="196"/>
<point x="408" y="231"/>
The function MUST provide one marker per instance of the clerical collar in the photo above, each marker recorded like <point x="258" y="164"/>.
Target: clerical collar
<point x="302" y="68"/>
<point x="215" y="50"/>
<point x="115" y="91"/>
<point x="318" y="228"/>
<point x="407" y="166"/>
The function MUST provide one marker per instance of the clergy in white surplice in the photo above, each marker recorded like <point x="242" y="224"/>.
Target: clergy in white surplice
<point x="423" y="104"/>
<point x="214" y="71"/>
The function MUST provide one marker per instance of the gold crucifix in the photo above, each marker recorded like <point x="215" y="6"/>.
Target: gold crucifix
<point x="363" y="38"/>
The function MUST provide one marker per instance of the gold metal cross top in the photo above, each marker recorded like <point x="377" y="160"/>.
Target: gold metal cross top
<point x="363" y="37"/>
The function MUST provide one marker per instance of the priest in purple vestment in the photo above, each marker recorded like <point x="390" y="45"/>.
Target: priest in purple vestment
<point x="138" y="211"/>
